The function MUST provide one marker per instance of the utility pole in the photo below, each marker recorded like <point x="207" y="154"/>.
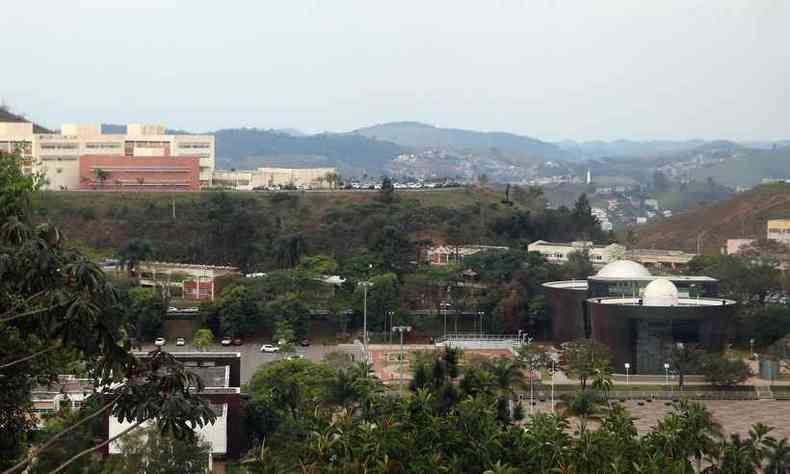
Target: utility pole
<point x="401" y="330"/>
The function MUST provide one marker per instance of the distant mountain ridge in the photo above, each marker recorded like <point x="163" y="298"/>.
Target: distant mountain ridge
<point x="420" y="136"/>
<point x="8" y="116"/>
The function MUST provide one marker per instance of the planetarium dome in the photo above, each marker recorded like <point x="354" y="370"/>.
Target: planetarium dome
<point x="660" y="292"/>
<point x="623" y="269"/>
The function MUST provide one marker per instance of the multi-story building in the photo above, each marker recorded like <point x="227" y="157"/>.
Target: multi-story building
<point x="557" y="252"/>
<point x="779" y="230"/>
<point x="57" y="155"/>
<point x="247" y="180"/>
<point x="149" y="173"/>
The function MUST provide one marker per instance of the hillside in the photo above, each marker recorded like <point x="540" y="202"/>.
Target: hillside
<point x="8" y="116"/>
<point x="419" y="136"/>
<point x="748" y="167"/>
<point x="249" y="148"/>
<point x="742" y="216"/>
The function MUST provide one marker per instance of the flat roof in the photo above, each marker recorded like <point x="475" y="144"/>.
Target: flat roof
<point x="682" y="302"/>
<point x="569" y="284"/>
<point x="653" y="277"/>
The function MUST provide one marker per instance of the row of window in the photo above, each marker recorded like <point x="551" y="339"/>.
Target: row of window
<point x="194" y="145"/>
<point x="60" y="146"/>
<point x="779" y="231"/>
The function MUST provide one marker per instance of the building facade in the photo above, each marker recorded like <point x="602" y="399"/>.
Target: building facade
<point x="778" y="230"/>
<point x="150" y="173"/>
<point x="272" y="178"/>
<point x="558" y="252"/>
<point x="187" y="281"/>
<point x="637" y="315"/>
<point x="450" y="254"/>
<point x="57" y="155"/>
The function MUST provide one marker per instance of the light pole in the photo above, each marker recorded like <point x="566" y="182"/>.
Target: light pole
<point x="666" y="371"/>
<point x="627" y="368"/>
<point x="390" y="314"/>
<point x="553" y="371"/>
<point x="480" y="314"/>
<point x="365" y="285"/>
<point x="445" y="306"/>
<point x="751" y="348"/>
<point x="401" y="330"/>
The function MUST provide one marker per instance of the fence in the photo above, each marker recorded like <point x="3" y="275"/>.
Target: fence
<point x="479" y="341"/>
<point x="542" y="394"/>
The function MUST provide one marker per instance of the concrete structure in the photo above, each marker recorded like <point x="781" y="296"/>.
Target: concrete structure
<point x="187" y="281"/>
<point x="68" y="390"/>
<point x="557" y="252"/>
<point x="150" y="173"/>
<point x="57" y="155"/>
<point x="778" y="230"/>
<point x="447" y="254"/>
<point x="600" y="255"/>
<point x="220" y="372"/>
<point x="247" y="180"/>
<point x="637" y="315"/>
<point x="734" y="246"/>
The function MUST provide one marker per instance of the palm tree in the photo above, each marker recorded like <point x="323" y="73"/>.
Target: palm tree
<point x="778" y="458"/>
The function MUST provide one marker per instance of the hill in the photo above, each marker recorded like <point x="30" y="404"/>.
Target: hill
<point x="748" y="167"/>
<point x="627" y="148"/>
<point x="742" y="216"/>
<point x="249" y="147"/>
<point x="419" y="136"/>
<point x="7" y="116"/>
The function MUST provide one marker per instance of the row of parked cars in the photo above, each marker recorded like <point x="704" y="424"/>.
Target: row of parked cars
<point x="230" y="341"/>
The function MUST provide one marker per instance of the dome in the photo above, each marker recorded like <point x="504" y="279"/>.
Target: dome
<point x="660" y="292"/>
<point x="623" y="269"/>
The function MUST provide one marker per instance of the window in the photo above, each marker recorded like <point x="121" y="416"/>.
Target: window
<point x="59" y="146"/>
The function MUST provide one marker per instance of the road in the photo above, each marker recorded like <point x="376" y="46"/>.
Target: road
<point x="251" y="357"/>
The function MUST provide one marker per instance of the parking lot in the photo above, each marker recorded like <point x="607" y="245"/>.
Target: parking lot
<point x="251" y="357"/>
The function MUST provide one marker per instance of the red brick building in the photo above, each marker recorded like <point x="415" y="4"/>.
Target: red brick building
<point x="137" y="173"/>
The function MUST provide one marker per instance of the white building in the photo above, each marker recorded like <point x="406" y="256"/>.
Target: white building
<point x="57" y="155"/>
<point x="557" y="252"/>
<point x="247" y="180"/>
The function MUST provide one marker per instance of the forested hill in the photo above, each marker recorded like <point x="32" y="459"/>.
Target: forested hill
<point x="420" y="135"/>
<point x="742" y="216"/>
<point x="355" y="154"/>
<point x="253" y="230"/>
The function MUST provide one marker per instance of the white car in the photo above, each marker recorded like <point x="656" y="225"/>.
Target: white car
<point x="225" y="341"/>
<point x="269" y="348"/>
<point x="172" y="309"/>
<point x="159" y="341"/>
<point x="180" y="341"/>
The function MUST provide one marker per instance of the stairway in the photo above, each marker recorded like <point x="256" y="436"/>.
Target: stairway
<point x="764" y="392"/>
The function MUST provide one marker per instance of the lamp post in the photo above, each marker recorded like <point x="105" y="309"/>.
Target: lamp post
<point x="401" y="330"/>
<point x="365" y="285"/>
<point x="666" y="371"/>
<point x="390" y="315"/>
<point x="445" y="306"/>
<point x="480" y="314"/>
<point x="553" y="371"/>
<point x="751" y="348"/>
<point x="627" y="368"/>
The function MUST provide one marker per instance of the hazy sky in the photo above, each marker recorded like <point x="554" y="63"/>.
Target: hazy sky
<point x="641" y="69"/>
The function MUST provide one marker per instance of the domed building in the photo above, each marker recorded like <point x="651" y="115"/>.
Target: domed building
<point x="639" y="316"/>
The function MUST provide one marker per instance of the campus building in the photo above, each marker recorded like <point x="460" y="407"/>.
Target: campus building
<point x="57" y="155"/>
<point x="449" y="254"/>
<point x="247" y="180"/>
<point x="778" y="230"/>
<point x="600" y="255"/>
<point x="187" y="281"/>
<point x="221" y="375"/>
<point x="640" y="316"/>
<point x="150" y="173"/>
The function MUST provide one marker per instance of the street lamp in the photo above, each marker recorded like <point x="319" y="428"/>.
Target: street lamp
<point x="401" y="330"/>
<point x="480" y="314"/>
<point x="751" y="348"/>
<point x="627" y="368"/>
<point x="365" y="285"/>
<point x="390" y="314"/>
<point x="666" y="371"/>
<point x="445" y="307"/>
<point x="553" y="371"/>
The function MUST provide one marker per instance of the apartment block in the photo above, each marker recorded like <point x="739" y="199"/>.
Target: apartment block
<point x="57" y="155"/>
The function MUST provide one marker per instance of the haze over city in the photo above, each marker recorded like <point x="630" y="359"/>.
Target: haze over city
<point x="552" y="70"/>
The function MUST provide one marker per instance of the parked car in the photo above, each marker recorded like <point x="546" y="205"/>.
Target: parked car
<point x="226" y="341"/>
<point x="160" y="341"/>
<point x="295" y="357"/>
<point x="305" y="342"/>
<point x="237" y="341"/>
<point x="172" y="309"/>
<point x="269" y="348"/>
<point x="180" y="341"/>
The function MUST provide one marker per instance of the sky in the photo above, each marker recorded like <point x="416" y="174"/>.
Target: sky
<point x="554" y="70"/>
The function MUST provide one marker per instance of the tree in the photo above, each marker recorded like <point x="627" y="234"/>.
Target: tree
<point x="146" y="312"/>
<point x="202" y="339"/>
<point x="584" y="359"/>
<point x="723" y="372"/>
<point x="579" y="266"/>
<point x="150" y="451"/>
<point x="660" y="182"/>
<point x="684" y="358"/>
<point x="387" y="191"/>
<point x="134" y="251"/>
<point x="284" y="336"/>
<point x="101" y="176"/>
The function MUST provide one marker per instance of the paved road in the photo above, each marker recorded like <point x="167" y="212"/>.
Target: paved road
<point x="251" y="357"/>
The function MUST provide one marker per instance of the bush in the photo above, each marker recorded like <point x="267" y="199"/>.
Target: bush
<point x="722" y="372"/>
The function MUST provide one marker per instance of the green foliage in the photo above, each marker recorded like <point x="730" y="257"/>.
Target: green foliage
<point x="583" y="359"/>
<point x="319" y="264"/>
<point x="145" y="312"/>
<point x="133" y="252"/>
<point x="202" y="339"/>
<point x="148" y="450"/>
<point x="724" y="372"/>
<point x="578" y="267"/>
